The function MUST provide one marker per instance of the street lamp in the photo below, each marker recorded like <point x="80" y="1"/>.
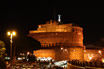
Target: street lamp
<point x="11" y="34"/>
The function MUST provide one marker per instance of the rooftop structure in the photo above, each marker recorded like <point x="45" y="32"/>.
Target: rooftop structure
<point x="53" y="33"/>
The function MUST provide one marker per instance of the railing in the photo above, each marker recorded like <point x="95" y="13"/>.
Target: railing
<point x="84" y="65"/>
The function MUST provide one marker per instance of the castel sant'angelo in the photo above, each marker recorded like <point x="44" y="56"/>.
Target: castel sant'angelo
<point x="63" y="42"/>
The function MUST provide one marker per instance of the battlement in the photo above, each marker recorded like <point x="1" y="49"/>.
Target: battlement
<point x="55" y="34"/>
<point x="53" y="26"/>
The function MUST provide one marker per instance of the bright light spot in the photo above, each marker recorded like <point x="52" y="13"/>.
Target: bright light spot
<point x="14" y="33"/>
<point x="90" y="58"/>
<point x="99" y="51"/>
<point x="65" y="49"/>
<point x="79" y="33"/>
<point x="103" y="60"/>
<point x="3" y="49"/>
<point x="28" y="53"/>
<point x="49" y="58"/>
<point x="8" y="33"/>
<point x="44" y="58"/>
<point x="27" y="59"/>
<point x="19" y="58"/>
<point x="61" y="63"/>
<point x="84" y="50"/>
<point x="59" y="18"/>
<point x="39" y="26"/>
<point x="39" y="57"/>
<point x="7" y="58"/>
<point x="11" y="33"/>
<point x="61" y="48"/>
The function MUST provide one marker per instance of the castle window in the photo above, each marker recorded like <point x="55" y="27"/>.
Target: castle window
<point x="76" y="29"/>
<point x="79" y="30"/>
<point x="79" y="33"/>
<point x="39" y="26"/>
<point x="56" y="33"/>
<point x="72" y="30"/>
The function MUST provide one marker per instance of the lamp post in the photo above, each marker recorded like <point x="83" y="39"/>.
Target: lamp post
<point x="11" y="34"/>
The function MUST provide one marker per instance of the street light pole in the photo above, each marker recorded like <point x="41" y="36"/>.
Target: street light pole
<point x="11" y="34"/>
<point x="11" y="48"/>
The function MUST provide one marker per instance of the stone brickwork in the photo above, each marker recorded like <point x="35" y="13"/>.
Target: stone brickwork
<point x="62" y="53"/>
<point x="58" y="36"/>
<point x="76" y="53"/>
<point x="103" y="53"/>
<point x="93" y="54"/>
<point x="45" y="53"/>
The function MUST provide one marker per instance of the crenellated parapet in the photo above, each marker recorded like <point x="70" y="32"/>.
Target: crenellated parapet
<point x="54" y="34"/>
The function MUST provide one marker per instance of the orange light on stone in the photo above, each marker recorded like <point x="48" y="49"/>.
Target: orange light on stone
<point x="103" y="60"/>
<point x="90" y="58"/>
<point x="65" y="49"/>
<point x="84" y="50"/>
<point x="61" y="48"/>
<point x="99" y="51"/>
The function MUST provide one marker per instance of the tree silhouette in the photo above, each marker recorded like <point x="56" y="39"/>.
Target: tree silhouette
<point x="2" y="49"/>
<point x="2" y="64"/>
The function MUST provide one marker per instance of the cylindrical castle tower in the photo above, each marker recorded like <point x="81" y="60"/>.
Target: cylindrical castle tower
<point x="56" y="36"/>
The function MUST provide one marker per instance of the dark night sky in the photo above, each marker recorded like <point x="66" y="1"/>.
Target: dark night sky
<point x="23" y="18"/>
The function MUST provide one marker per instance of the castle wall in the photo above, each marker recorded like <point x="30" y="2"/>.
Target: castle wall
<point x="72" y="53"/>
<point x="103" y="53"/>
<point x="76" y="53"/>
<point x="61" y="54"/>
<point x="93" y="54"/>
<point x="45" y="53"/>
<point x="49" y="39"/>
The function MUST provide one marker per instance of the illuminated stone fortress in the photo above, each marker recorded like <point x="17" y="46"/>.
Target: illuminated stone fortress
<point x="59" y="41"/>
<point x="64" y="42"/>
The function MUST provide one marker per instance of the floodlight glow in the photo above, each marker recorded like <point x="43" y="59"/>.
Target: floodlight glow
<point x="14" y="33"/>
<point x="99" y="51"/>
<point x="8" y="33"/>
<point x="103" y="60"/>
